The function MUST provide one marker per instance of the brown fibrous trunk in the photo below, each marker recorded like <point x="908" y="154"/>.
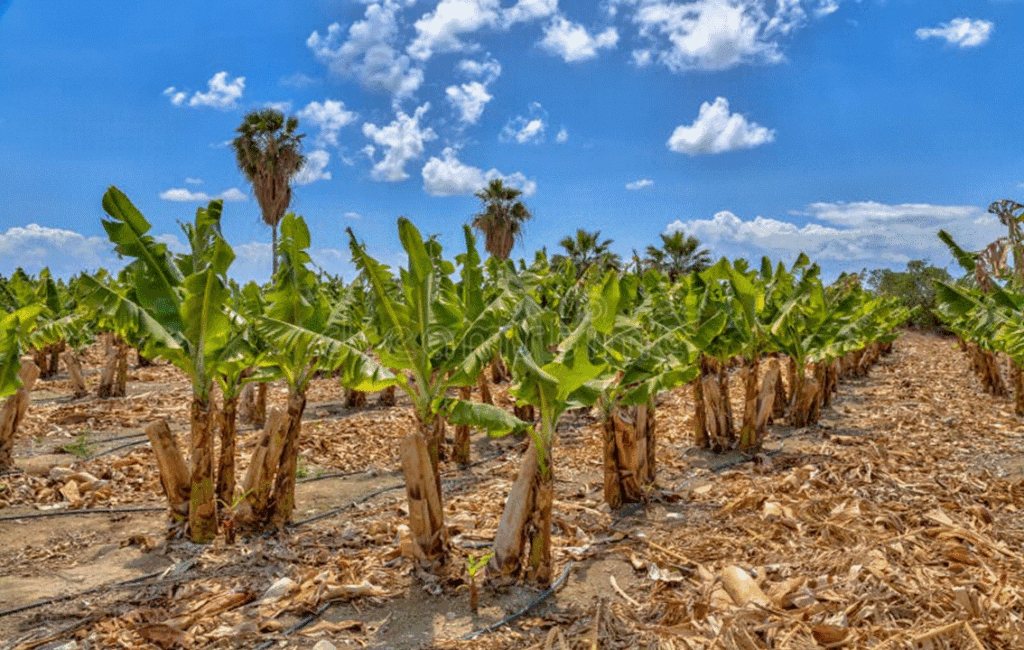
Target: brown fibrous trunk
<point x="13" y="412"/>
<point x="202" y="512"/>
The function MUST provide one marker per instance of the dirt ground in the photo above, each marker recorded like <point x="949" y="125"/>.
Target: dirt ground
<point x="896" y="522"/>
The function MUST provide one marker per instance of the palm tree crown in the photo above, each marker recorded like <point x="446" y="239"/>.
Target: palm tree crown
<point x="587" y="249"/>
<point x="502" y="218"/>
<point x="679" y="255"/>
<point x="269" y="153"/>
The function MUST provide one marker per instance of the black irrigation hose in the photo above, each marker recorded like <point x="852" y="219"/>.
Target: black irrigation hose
<point x="513" y="616"/>
<point x="177" y="570"/>
<point x="118" y="448"/>
<point x="86" y="511"/>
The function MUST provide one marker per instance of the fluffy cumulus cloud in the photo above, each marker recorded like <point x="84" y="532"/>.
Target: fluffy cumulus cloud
<point x="185" y="195"/>
<point x="563" y="136"/>
<point x="526" y="129"/>
<point x="65" y="252"/>
<point x="222" y="93"/>
<point x="330" y="118"/>
<point x="717" y="34"/>
<point x="573" y="42"/>
<point x="446" y="28"/>
<point x="448" y="176"/>
<point x="315" y="168"/>
<point x="402" y="140"/>
<point x="847" y="236"/>
<point x="469" y="99"/>
<point x="640" y="184"/>
<point x="369" y="52"/>
<point x="960" y="32"/>
<point x="716" y="130"/>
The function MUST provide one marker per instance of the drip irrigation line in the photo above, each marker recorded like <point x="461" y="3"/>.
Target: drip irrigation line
<point x="324" y="477"/>
<point x="364" y="499"/>
<point x="86" y="511"/>
<point x="178" y="569"/>
<point x="119" y="448"/>
<point x="295" y="628"/>
<point x="513" y="616"/>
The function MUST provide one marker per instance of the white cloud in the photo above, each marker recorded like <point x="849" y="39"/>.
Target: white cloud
<point x="352" y="215"/>
<point x="444" y="29"/>
<point x="469" y="99"/>
<point x="233" y="194"/>
<point x="716" y="130"/>
<point x="852" y="235"/>
<point x="526" y="10"/>
<point x="181" y="194"/>
<point x="330" y="117"/>
<point x="640" y="184"/>
<point x="961" y="32"/>
<point x="315" y="168"/>
<point x="367" y="52"/>
<point x="298" y="80"/>
<point x="193" y="181"/>
<point x="528" y="129"/>
<point x="489" y="69"/>
<point x="65" y="252"/>
<point x="448" y="176"/>
<point x="222" y="94"/>
<point x="403" y="140"/>
<point x="441" y="30"/>
<point x="573" y="42"/>
<point x="717" y="34"/>
<point x="280" y="107"/>
<point x="563" y="136"/>
<point x="176" y="96"/>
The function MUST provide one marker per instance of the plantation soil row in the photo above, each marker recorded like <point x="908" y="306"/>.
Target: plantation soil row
<point x="895" y="523"/>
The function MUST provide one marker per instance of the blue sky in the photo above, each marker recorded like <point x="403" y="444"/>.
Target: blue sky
<point x="851" y="130"/>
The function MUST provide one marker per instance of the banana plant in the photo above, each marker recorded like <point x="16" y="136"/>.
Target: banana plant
<point x="302" y="330"/>
<point x="178" y="316"/>
<point x="645" y="357"/>
<point x="431" y="340"/>
<point x="553" y="372"/>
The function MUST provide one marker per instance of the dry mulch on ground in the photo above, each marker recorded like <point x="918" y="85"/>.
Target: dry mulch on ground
<point x="895" y="523"/>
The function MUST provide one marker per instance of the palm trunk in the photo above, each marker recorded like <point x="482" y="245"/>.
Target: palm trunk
<point x="387" y="397"/>
<point x="113" y="377"/>
<point x="526" y="523"/>
<point x="485" y="391"/>
<point x="259" y="479"/>
<point x="14" y="410"/>
<point x="74" y="367"/>
<point x="282" y="501"/>
<point x="355" y="399"/>
<point x="748" y="431"/>
<point x="460" y="451"/>
<point x="253" y="404"/>
<point x="423" y="493"/>
<point x="202" y="511"/>
<point x="700" y="417"/>
<point x="624" y="450"/>
<point x="226" y="466"/>
<point x="174" y="476"/>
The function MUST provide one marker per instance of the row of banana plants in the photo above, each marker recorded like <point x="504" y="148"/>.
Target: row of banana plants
<point x="986" y="310"/>
<point x="430" y="329"/>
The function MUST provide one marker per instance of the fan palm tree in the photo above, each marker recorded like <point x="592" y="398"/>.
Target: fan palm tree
<point x="679" y="255"/>
<point x="587" y="249"/>
<point x="501" y="220"/>
<point x="268" y="152"/>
